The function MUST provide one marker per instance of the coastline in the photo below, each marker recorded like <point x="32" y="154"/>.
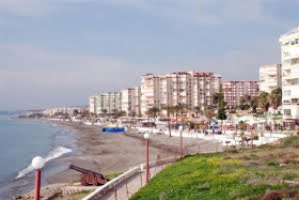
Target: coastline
<point x="114" y="153"/>
<point x="111" y="153"/>
<point x="51" y="146"/>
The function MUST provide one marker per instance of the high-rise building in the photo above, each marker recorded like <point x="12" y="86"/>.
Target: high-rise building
<point x="92" y="104"/>
<point x="130" y="101"/>
<point x="192" y="89"/>
<point x="290" y="73"/>
<point x="149" y="92"/>
<point x="270" y="77"/>
<point x="106" y="103"/>
<point x="234" y="90"/>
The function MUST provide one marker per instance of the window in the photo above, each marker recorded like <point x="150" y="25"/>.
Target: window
<point x="287" y="92"/>
<point x="287" y="112"/>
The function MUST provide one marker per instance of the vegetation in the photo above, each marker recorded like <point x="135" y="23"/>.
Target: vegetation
<point x="153" y="112"/>
<point x="79" y="195"/>
<point x="275" y="98"/>
<point x="233" y="174"/>
<point x="221" y="106"/>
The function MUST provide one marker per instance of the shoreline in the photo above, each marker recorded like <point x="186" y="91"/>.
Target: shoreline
<point x="21" y="180"/>
<point x="113" y="153"/>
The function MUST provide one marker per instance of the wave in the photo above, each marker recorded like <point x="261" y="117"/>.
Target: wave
<point x="55" y="153"/>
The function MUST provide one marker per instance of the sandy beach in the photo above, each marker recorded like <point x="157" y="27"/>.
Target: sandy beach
<point x="111" y="153"/>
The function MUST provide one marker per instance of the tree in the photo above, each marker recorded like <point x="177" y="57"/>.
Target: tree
<point x="153" y="112"/>
<point x="197" y="110"/>
<point x="221" y="107"/>
<point x="245" y="102"/>
<point x="104" y="112"/>
<point x="132" y="114"/>
<point x="215" y="98"/>
<point x="263" y="101"/>
<point x="254" y="104"/>
<point x="169" y="110"/>
<point x="275" y="98"/>
<point x="75" y="112"/>
<point x="181" y="108"/>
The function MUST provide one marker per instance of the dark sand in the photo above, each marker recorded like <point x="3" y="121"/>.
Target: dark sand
<point x="110" y="153"/>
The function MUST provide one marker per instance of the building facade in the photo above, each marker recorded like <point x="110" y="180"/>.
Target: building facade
<point x="92" y="104"/>
<point x="234" y="90"/>
<point x="270" y="77"/>
<point x="192" y="89"/>
<point x="130" y="101"/>
<point x="290" y="73"/>
<point x="106" y="103"/>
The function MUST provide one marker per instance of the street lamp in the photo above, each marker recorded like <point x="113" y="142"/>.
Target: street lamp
<point x="181" y="139"/>
<point x="37" y="163"/>
<point x="146" y="137"/>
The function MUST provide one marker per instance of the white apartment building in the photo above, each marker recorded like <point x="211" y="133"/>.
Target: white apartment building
<point x="106" y="103"/>
<point x="290" y="73"/>
<point x="65" y="110"/>
<point x="234" y="90"/>
<point x="191" y="88"/>
<point x="270" y="77"/>
<point x="130" y="101"/>
<point x="149" y="92"/>
<point x="92" y="104"/>
<point x="203" y="86"/>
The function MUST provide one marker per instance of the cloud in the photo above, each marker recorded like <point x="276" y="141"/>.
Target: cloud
<point x="27" y="7"/>
<point x="204" y="12"/>
<point x="34" y="76"/>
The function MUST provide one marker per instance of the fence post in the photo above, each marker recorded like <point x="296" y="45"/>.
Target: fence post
<point x="127" y="188"/>
<point x="115" y="193"/>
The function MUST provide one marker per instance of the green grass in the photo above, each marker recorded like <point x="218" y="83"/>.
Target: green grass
<point x="113" y="175"/>
<point x="77" y="196"/>
<point x="226" y="175"/>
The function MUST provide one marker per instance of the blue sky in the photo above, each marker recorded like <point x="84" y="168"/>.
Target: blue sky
<point x="59" y="52"/>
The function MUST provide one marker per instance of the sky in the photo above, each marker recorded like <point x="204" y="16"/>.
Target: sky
<point x="60" y="52"/>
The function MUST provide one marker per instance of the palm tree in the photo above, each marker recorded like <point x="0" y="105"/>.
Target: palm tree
<point x="169" y="110"/>
<point x="263" y="102"/>
<point x="197" y="110"/>
<point x="275" y="98"/>
<point x="154" y="111"/>
<point x="104" y="111"/>
<point x="181" y="108"/>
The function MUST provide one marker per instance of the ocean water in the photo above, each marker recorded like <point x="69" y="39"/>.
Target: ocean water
<point x="20" y="141"/>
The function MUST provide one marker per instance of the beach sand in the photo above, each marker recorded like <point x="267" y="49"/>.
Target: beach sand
<point x="112" y="153"/>
<point x="115" y="153"/>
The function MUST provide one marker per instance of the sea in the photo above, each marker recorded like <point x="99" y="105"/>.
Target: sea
<point x="23" y="139"/>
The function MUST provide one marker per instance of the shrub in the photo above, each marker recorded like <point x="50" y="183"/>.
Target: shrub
<point x="272" y="163"/>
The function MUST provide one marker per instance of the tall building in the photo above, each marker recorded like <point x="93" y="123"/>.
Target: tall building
<point x="193" y="89"/>
<point x="130" y="101"/>
<point x="290" y="73"/>
<point x="270" y="77"/>
<point x="234" y="90"/>
<point x="92" y="104"/>
<point x="149" y="92"/>
<point x="106" y="103"/>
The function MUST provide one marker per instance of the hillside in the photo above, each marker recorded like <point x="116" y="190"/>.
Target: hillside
<point x="233" y="174"/>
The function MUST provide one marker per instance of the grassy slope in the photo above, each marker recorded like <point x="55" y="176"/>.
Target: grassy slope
<point x="228" y="175"/>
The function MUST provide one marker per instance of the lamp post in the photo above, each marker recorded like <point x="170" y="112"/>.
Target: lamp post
<point x="37" y="163"/>
<point x="146" y="137"/>
<point x="181" y="140"/>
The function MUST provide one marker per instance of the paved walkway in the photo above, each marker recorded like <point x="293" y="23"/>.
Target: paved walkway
<point x="126" y="190"/>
